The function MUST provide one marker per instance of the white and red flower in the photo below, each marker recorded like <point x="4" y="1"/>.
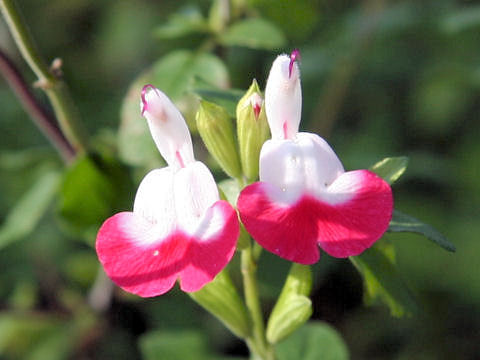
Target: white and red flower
<point x="304" y="197"/>
<point x="179" y="228"/>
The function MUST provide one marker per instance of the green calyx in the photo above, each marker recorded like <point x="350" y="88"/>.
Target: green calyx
<point x="252" y="129"/>
<point x="293" y="307"/>
<point x="215" y="128"/>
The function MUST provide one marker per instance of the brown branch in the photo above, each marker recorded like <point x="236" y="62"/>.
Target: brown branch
<point x="42" y="119"/>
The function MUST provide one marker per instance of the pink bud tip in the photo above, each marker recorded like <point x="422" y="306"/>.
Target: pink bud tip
<point x="144" y="92"/>
<point x="256" y="110"/>
<point x="294" y="56"/>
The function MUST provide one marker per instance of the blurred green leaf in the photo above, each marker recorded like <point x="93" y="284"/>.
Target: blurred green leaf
<point x="254" y="33"/>
<point x="459" y="20"/>
<point x="382" y="281"/>
<point x="405" y="223"/>
<point x="314" y="341"/>
<point x="227" y="98"/>
<point x="220" y="297"/>
<point x="391" y="168"/>
<point x="293" y="307"/>
<point x="25" y="215"/>
<point x="184" y="22"/>
<point x="93" y="189"/>
<point x="179" y="345"/>
<point x="296" y="18"/>
<point x="19" y="333"/>
<point x="175" y="75"/>
<point x="219" y="15"/>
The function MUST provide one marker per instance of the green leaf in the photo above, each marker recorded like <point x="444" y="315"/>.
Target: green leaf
<point x="175" y="75"/>
<point x="405" y="223"/>
<point x="254" y="33"/>
<point x="92" y="190"/>
<point x="382" y="281"/>
<point x="175" y="72"/>
<point x="188" y="20"/>
<point x="25" y="215"/>
<point x="221" y="299"/>
<point x="293" y="307"/>
<point x="315" y="340"/>
<point x="466" y="18"/>
<point x="19" y="333"/>
<point x="227" y="98"/>
<point x="391" y="168"/>
<point x="174" y="345"/>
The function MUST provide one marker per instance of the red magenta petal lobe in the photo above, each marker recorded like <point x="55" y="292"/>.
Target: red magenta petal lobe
<point x="294" y="232"/>
<point x="143" y="264"/>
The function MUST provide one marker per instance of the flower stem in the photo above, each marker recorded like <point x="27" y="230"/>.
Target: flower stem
<point x="56" y="90"/>
<point x="257" y="341"/>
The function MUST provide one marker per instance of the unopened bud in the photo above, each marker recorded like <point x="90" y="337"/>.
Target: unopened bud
<point x="252" y="129"/>
<point x="215" y="128"/>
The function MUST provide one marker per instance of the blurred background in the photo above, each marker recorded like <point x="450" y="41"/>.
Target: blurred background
<point x="380" y="78"/>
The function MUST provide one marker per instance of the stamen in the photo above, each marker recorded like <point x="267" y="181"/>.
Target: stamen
<point x="294" y="56"/>
<point x="144" y="92"/>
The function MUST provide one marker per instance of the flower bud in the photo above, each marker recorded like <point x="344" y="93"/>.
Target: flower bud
<point x="215" y="128"/>
<point x="252" y="129"/>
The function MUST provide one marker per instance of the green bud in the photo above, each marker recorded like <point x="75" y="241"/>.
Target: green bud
<point x="293" y="307"/>
<point x="252" y="129"/>
<point x="215" y="128"/>
<point x="221" y="299"/>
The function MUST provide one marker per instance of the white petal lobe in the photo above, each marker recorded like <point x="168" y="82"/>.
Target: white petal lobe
<point x="195" y="191"/>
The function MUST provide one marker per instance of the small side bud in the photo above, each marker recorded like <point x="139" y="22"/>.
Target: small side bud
<point x="215" y="128"/>
<point x="252" y="129"/>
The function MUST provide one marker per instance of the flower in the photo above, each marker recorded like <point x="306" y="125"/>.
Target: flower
<point x="179" y="229"/>
<point x="304" y="197"/>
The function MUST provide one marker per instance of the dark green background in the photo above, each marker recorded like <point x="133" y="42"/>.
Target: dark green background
<point x="380" y="78"/>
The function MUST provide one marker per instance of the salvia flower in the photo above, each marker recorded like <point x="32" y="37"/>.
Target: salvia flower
<point x="304" y="197"/>
<point x="179" y="229"/>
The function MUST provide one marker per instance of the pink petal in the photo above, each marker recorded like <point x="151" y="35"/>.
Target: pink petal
<point x="140" y="262"/>
<point x="349" y="218"/>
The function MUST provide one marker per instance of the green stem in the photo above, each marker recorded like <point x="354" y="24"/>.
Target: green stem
<point x="257" y="341"/>
<point x="57" y="92"/>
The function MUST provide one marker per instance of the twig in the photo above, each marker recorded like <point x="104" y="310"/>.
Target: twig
<point x="56" y="90"/>
<point x="44" y="121"/>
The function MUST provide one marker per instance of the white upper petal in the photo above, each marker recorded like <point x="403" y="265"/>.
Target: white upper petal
<point x="304" y="165"/>
<point x="283" y="98"/>
<point x="168" y="128"/>
<point x="155" y="202"/>
<point x="195" y="191"/>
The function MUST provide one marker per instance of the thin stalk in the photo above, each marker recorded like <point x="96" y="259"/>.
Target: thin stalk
<point x="257" y="342"/>
<point x="56" y="90"/>
<point x="44" y="121"/>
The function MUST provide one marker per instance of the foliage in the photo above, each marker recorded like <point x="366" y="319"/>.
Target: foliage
<point x="379" y="79"/>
